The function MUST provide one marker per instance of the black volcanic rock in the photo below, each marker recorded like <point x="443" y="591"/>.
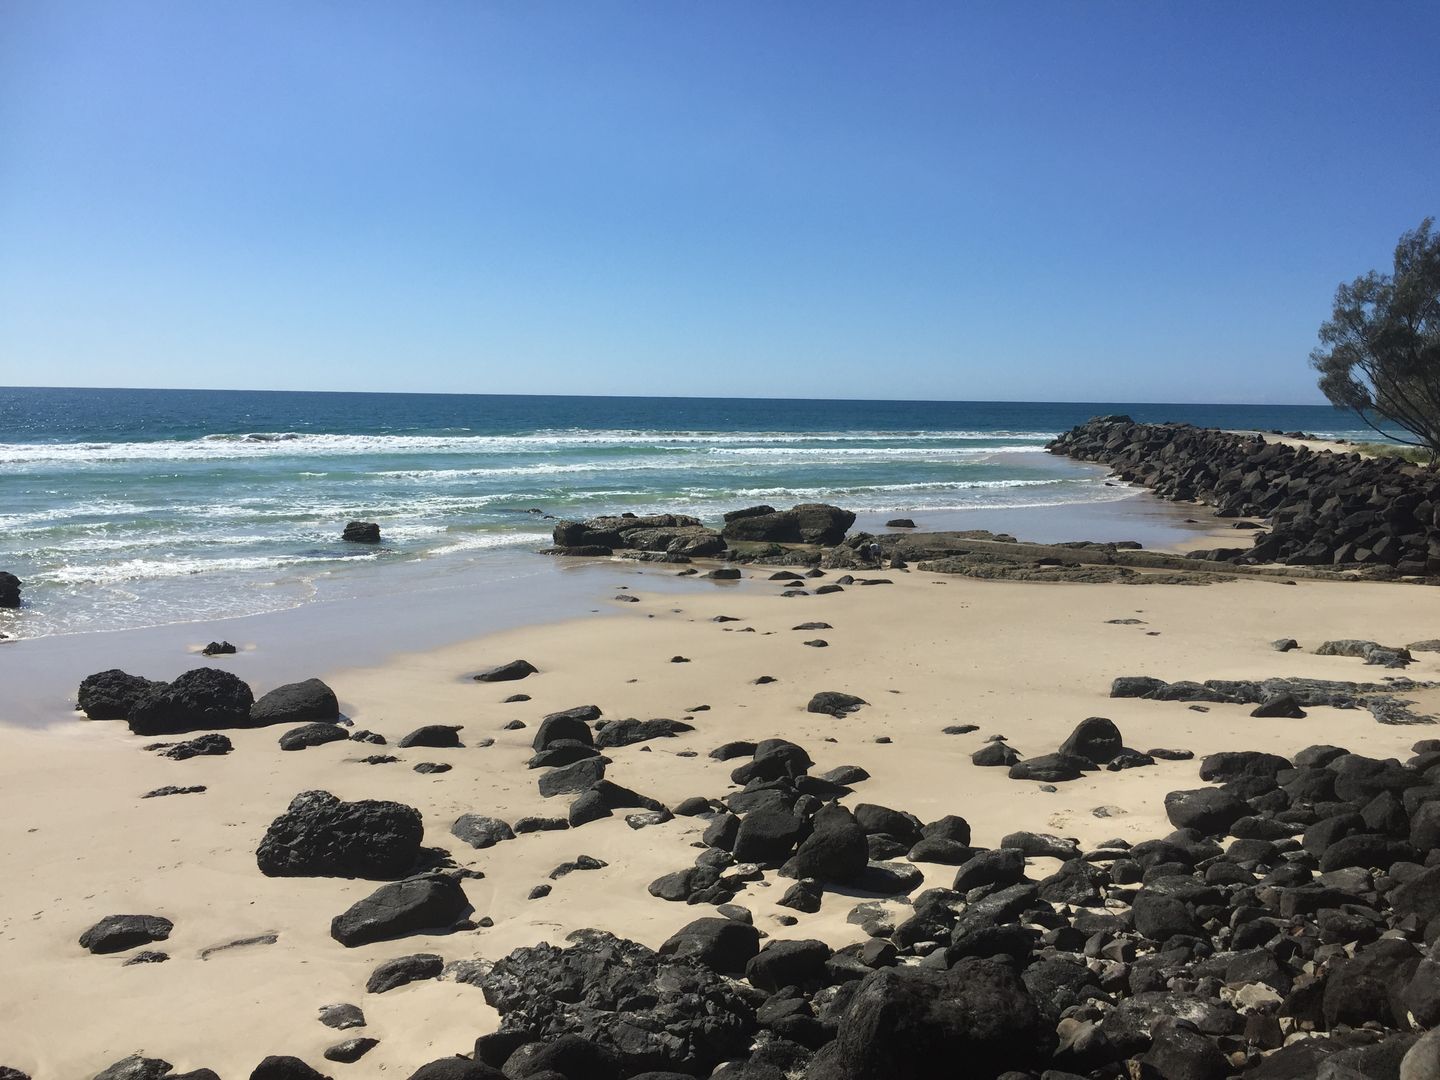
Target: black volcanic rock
<point x="648" y="1012"/>
<point x="361" y="532"/>
<point x="110" y="695"/>
<point x="284" y="1067"/>
<point x="627" y="732"/>
<point x="116" y="933"/>
<point x="515" y="669"/>
<point x="1050" y="768"/>
<point x="480" y="831"/>
<point x="9" y="590"/>
<point x="434" y="735"/>
<point x="807" y="523"/>
<point x="307" y="735"/>
<point x="1207" y="810"/>
<point x="211" y="745"/>
<point x="1374" y="514"/>
<point x="1096" y="739"/>
<point x="403" y="970"/>
<point x="901" y="1021"/>
<point x="201" y="698"/>
<point x="723" y="945"/>
<point x="572" y="724"/>
<point x="834" y="703"/>
<point x="426" y="903"/>
<point x="296" y="703"/>
<point x="320" y="836"/>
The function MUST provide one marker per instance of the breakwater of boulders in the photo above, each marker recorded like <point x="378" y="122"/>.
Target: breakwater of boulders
<point x="1314" y="508"/>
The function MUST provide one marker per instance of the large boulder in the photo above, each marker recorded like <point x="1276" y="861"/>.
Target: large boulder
<point x="110" y="695"/>
<point x="570" y="724"/>
<point x="721" y="944"/>
<point x="673" y="534"/>
<point x="1096" y="739"/>
<point x="901" y="1022"/>
<point x="9" y="590"/>
<point x="361" y="532"/>
<point x="285" y="1067"/>
<point x="630" y="731"/>
<point x="651" y="1012"/>
<point x="807" y="523"/>
<point x="1208" y="810"/>
<point x="296" y="703"/>
<point x="430" y="902"/>
<point x="201" y="698"/>
<point x="767" y="834"/>
<point x="457" y="1068"/>
<point x="320" y="836"/>
<point x="837" y="853"/>
<point x="1050" y="768"/>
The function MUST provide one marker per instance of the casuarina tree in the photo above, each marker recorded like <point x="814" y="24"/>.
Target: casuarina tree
<point x="1380" y="349"/>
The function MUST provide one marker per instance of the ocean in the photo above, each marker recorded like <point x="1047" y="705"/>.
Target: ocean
<point x="129" y="508"/>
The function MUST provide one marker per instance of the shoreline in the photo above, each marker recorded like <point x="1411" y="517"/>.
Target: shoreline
<point x="512" y="588"/>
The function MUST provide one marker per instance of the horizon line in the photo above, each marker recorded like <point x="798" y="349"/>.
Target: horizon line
<point x="677" y="397"/>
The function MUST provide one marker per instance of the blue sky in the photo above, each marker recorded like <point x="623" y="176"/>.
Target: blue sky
<point x="1088" y="201"/>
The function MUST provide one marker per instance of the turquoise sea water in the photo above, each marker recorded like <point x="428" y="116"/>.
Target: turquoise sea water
<point x="122" y="508"/>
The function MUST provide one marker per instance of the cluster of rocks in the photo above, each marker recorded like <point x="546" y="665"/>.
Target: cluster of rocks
<point x="666" y="537"/>
<point x="1284" y="929"/>
<point x="807" y="523"/>
<point x="567" y="749"/>
<point x="1095" y="744"/>
<point x="1324" y="509"/>
<point x="201" y="698"/>
<point x="1284" y="696"/>
<point x="680" y="538"/>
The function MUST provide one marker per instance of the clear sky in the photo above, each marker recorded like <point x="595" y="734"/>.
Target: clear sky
<point x="989" y="200"/>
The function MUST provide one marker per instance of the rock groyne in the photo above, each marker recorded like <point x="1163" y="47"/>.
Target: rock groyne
<point x="1320" y="508"/>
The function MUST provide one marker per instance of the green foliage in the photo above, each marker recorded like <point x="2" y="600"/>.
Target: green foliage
<point x="1380" y="349"/>
<point x="1417" y="454"/>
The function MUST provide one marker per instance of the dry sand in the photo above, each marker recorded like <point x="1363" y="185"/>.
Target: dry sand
<point x="1024" y="660"/>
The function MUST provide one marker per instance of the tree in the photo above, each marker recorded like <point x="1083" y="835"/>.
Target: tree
<point x="1380" y="349"/>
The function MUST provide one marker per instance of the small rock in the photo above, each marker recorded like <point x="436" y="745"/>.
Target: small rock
<point x="342" y="1016"/>
<point x="351" y="1050"/>
<point x="171" y="789"/>
<point x="116" y="933"/>
<point x="514" y="670"/>
<point x="433" y="735"/>
<point x="403" y="970"/>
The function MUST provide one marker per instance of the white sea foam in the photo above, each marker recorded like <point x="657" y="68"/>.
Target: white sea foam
<point x="295" y="444"/>
<point x="487" y="541"/>
<point x="114" y="573"/>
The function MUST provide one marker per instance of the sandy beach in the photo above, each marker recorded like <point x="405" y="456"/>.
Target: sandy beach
<point x="1027" y="661"/>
